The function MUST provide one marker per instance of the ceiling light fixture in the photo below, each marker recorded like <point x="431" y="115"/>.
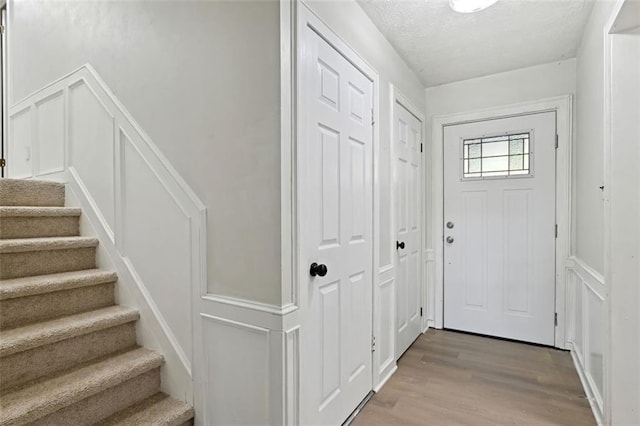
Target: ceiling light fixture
<point x="470" y="6"/>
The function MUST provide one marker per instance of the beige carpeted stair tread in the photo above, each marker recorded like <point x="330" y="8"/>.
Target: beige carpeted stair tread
<point x="47" y="396"/>
<point x="158" y="410"/>
<point x="36" y="211"/>
<point x="39" y="244"/>
<point x="40" y="284"/>
<point x="44" y="333"/>
<point x="20" y="192"/>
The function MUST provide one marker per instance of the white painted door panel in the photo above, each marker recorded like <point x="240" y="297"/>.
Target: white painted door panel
<point x="335" y="230"/>
<point x="500" y="266"/>
<point x="407" y="140"/>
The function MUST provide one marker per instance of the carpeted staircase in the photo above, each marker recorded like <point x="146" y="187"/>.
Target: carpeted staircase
<point x="68" y="354"/>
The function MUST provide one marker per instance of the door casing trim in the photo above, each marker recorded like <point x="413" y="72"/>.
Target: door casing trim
<point x="563" y="107"/>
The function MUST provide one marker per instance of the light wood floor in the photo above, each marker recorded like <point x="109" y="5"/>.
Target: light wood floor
<point x="448" y="378"/>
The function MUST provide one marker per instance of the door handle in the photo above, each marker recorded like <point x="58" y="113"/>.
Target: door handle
<point x="449" y="240"/>
<point x="399" y="245"/>
<point x="318" y="269"/>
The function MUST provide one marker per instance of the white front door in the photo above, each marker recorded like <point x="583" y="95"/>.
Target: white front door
<point x="499" y="216"/>
<point x="407" y="140"/>
<point x="336" y="208"/>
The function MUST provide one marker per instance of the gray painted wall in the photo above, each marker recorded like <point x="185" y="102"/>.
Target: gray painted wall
<point x="589" y="150"/>
<point x="203" y="80"/>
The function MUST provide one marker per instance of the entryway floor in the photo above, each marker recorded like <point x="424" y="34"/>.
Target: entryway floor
<point x="448" y="378"/>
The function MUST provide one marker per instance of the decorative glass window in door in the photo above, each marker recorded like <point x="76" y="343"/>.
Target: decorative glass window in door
<point x="497" y="156"/>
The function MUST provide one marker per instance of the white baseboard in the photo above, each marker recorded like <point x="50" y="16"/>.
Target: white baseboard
<point x="385" y="378"/>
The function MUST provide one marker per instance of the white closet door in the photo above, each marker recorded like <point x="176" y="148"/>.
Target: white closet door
<point x="336" y="235"/>
<point x="407" y="140"/>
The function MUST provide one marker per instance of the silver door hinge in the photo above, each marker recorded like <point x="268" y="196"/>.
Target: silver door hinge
<point x="2" y="29"/>
<point x="373" y="121"/>
<point x="555" y="319"/>
<point x="373" y="343"/>
<point x="556" y="230"/>
<point x="556" y="141"/>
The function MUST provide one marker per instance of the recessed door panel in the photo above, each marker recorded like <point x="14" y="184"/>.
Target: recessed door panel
<point x="330" y="181"/>
<point x="518" y="250"/>
<point x="358" y="190"/>
<point x="329" y="322"/>
<point x="475" y="249"/>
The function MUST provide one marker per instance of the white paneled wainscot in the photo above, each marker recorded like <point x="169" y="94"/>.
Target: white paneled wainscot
<point x="150" y="224"/>
<point x="585" y="297"/>
<point x="235" y="360"/>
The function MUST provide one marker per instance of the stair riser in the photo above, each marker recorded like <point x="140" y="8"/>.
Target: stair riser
<point x="23" y="311"/>
<point x="106" y="403"/>
<point x="35" y="227"/>
<point x="31" y="193"/>
<point x="26" y="264"/>
<point x="25" y="366"/>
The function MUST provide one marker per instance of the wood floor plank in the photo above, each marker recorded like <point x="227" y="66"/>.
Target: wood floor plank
<point x="449" y="378"/>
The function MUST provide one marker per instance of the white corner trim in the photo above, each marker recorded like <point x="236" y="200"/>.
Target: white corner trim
<point x="563" y="106"/>
<point x="288" y="111"/>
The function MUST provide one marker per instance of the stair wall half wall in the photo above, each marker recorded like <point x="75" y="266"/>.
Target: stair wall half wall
<point x="150" y="224"/>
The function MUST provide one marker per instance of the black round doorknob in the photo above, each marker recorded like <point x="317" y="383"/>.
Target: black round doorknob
<point x="399" y="245"/>
<point x="318" y="269"/>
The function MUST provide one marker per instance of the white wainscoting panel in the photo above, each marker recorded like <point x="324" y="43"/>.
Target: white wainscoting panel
<point x="585" y="298"/>
<point x="50" y="128"/>
<point x="166" y="237"/>
<point x="19" y="145"/>
<point x="384" y="362"/>
<point x="246" y="370"/>
<point x="236" y="373"/>
<point x="292" y="369"/>
<point x="429" y="296"/>
<point x="91" y="147"/>
<point x="151" y="225"/>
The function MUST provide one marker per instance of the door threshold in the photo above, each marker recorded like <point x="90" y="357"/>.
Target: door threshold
<point x="506" y="339"/>
<point x="359" y="408"/>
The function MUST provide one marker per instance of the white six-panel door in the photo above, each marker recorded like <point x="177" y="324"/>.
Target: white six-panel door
<point x="407" y="174"/>
<point x="499" y="248"/>
<point x="335" y="163"/>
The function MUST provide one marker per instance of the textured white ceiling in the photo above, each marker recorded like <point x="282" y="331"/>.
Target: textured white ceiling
<point x="442" y="46"/>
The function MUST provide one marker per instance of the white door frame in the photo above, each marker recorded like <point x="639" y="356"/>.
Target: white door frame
<point x="399" y="97"/>
<point x="563" y="106"/>
<point x="305" y="17"/>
